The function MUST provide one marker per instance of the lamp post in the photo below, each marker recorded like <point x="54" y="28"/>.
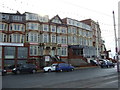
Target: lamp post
<point x="116" y="49"/>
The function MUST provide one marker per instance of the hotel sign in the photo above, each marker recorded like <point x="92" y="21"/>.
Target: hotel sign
<point x="11" y="44"/>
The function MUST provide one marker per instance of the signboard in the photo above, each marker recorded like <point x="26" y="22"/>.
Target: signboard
<point x="34" y="43"/>
<point x="9" y="56"/>
<point x="12" y="44"/>
<point x="64" y="45"/>
<point x="47" y="58"/>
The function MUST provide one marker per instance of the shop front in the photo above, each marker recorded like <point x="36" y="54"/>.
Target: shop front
<point x="14" y="54"/>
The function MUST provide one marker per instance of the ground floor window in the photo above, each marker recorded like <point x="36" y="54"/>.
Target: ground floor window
<point x="22" y="52"/>
<point x="9" y="52"/>
<point x="34" y="50"/>
<point x="63" y="51"/>
<point x="8" y="64"/>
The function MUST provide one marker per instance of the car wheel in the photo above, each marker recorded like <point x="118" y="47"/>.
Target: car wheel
<point x="72" y="69"/>
<point x="17" y="72"/>
<point x="49" y="70"/>
<point x="33" y="71"/>
<point x="107" y="66"/>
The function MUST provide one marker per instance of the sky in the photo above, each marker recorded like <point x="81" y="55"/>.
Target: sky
<point x="98" y="10"/>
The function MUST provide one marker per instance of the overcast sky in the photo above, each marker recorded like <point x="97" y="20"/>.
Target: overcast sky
<point x="98" y="10"/>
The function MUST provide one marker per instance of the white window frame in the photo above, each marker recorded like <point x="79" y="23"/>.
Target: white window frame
<point x="3" y="26"/>
<point x="16" y="17"/>
<point x="3" y="37"/>
<point x="33" y="26"/>
<point x="59" y="39"/>
<point x="47" y="27"/>
<point x="47" y="38"/>
<point x="53" y="28"/>
<point x="17" y="27"/>
<point x="63" y="51"/>
<point x="63" y="40"/>
<point x="33" y="37"/>
<point x="34" y="50"/>
<point x="53" y="38"/>
<point x="16" y="38"/>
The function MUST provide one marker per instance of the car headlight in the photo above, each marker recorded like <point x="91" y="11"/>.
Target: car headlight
<point x="14" y="68"/>
<point x="4" y="70"/>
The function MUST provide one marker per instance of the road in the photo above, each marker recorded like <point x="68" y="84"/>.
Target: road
<point x="82" y="78"/>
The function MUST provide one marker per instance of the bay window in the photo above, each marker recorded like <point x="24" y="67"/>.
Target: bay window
<point x="32" y="37"/>
<point x="18" y="38"/>
<point x="3" y="37"/>
<point x="3" y="26"/>
<point x="74" y="30"/>
<point x="17" y="27"/>
<point x="33" y="26"/>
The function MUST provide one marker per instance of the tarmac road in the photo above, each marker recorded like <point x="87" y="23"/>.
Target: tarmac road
<point x="82" y="78"/>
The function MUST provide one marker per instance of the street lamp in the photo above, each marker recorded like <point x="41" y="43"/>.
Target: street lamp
<point x="116" y="49"/>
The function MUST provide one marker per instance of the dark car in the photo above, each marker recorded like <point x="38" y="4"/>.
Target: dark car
<point x="94" y="62"/>
<point x="64" y="67"/>
<point x="23" y="68"/>
<point x="107" y="63"/>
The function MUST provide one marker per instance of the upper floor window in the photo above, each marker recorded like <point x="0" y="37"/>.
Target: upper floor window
<point x="16" y="38"/>
<point x="33" y="26"/>
<point x="63" y="39"/>
<point x="45" y="38"/>
<point x="74" y="39"/>
<point x="53" y="28"/>
<point x="17" y="27"/>
<point x="80" y="31"/>
<point x="33" y="37"/>
<point x="63" y="30"/>
<point x="53" y="38"/>
<point x="3" y="26"/>
<point x="69" y="29"/>
<point x="45" y="27"/>
<point x="3" y="37"/>
<point x="30" y="16"/>
<point x="69" y="40"/>
<point x="74" y="30"/>
<point x="56" y="20"/>
<point x="18" y="18"/>
<point x="58" y="39"/>
<point x="5" y="17"/>
<point x="58" y="29"/>
<point x="34" y="50"/>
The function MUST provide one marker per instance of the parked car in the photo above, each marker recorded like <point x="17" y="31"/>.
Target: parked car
<point x="59" y="67"/>
<point x="94" y="62"/>
<point x="23" y="68"/>
<point x="107" y="63"/>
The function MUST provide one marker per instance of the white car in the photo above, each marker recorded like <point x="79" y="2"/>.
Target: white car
<point x="50" y="68"/>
